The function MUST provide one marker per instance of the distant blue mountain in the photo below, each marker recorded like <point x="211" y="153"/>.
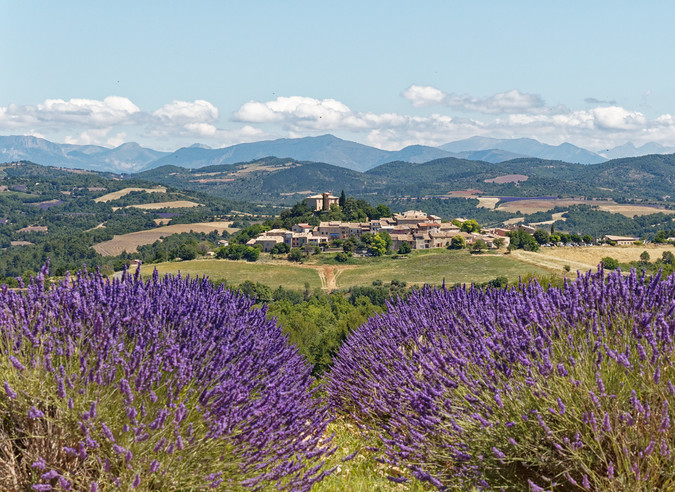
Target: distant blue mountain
<point x="132" y="158"/>
<point x="326" y="148"/>
<point x="127" y="158"/>
<point x="527" y="147"/>
<point x="630" y="150"/>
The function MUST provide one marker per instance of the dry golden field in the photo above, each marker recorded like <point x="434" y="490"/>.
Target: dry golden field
<point x="130" y="242"/>
<point x="632" y="210"/>
<point x="588" y="258"/>
<point x="174" y="204"/>
<point x="120" y="193"/>
<point x="532" y="206"/>
<point x="486" y="201"/>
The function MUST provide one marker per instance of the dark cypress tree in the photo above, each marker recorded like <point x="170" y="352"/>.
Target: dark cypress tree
<point x="341" y="202"/>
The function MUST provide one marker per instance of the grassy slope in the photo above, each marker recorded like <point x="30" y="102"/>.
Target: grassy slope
<point x="420" y="267"/>
<point x="236" y="272"/>
<point x="432" y="266"/>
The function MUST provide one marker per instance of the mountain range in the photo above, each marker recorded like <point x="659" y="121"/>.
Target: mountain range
<point x="133" y="158"/>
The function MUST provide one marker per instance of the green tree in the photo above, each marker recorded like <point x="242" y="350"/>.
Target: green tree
<point x="587" y="238"/>
<point x="478" y="246"/>
<point x="387" y="238"/>
<point x="342" y="199"/>
<point x="522" y="240"/>
<point x="251" y="254"/>
<point x="499" y="242"/>
<point x="349" y="245"/>
<point x="661" y="237"/>
<point x="470" y="226"/>
<point x="668" y="258"/>
<point x="378" y="245"/>
<point x="644" y="257"/>
<point x="381" y="211"/>
<point x="187" y="251"/>
<point x="541" y="236"/>
<point x="457" y="242"/>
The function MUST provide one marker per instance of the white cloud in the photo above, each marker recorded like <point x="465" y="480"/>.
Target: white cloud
<point x="295" y="108"/>
<point x="617" y="118"/>
<point x="512" y="101"/>
<point x="112" y="110"/>
<point x="525" y="115"/>
<point x="185" y="112"/>
<point x="504" y="115"/>
<point x="201" y="129"/>
<point x="424" y="95"/>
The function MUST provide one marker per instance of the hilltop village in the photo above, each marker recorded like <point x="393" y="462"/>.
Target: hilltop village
<point x="413" y="228"/>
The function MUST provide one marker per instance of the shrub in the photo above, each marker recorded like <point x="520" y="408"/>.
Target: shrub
<point x="520" y="389"/>
<point x="610" y="263"/>
<point x="167" y="385"/>
<point x="251" y="254"/>
<point x="479" y="246"/>
<point x="296" y="255"/>
<point x="341" y="257"/>
<point x="280" y="249"/>
<point x="404" y="249"/>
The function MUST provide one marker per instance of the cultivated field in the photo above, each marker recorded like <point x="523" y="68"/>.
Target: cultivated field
<point x="120" y="193"/>
<point x="236" y="272"/>
<point x="588" y="258"/>
<point x="129" y="242"/>
<point x="486" y="201"/>
<point x="174" y="204"/>
<point x="508" y="178"/>
<point x="632" y="210"/>
<point x="419" y="268"/>
<point x="532" y="206"/>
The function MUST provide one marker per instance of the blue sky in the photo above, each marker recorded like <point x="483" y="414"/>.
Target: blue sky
<point x="384" y="73"/>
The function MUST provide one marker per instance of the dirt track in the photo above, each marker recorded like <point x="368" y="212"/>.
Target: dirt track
<point x="329" y="275"/>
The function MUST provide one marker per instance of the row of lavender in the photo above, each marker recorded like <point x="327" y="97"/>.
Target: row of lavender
<point x="172" y="384"/>
<point x="522" y="389"/>
<point x="162" y="385"/>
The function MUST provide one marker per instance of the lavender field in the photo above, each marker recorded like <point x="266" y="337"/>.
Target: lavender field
<point x="164" y="385"/>
<point x="172" y="384"/>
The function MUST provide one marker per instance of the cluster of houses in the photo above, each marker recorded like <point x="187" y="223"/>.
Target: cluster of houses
<point x="418" y="230"/>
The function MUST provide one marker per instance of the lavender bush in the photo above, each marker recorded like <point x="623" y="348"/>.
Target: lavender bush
<point x="162" y="385"/>
<point x="522" y="389"/>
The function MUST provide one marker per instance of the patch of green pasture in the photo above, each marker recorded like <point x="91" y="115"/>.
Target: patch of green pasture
<point x="435" y="265"/>
<point x="236" y="272"/>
